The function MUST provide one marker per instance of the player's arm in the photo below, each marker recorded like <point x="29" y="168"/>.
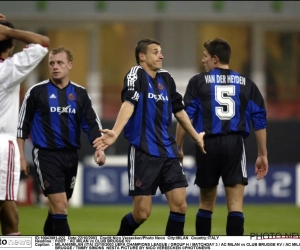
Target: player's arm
<point x="24" y="124"/>
<point x="130" y="97"/>
<point x="183" y="119"/>
<point x="261" y="165"/>
<point x="186" y="124"/>
<point x="26" y="114"/>
<point x="90" y="122"/>
<point x="27" y="37"/>
<point x="190" y="108"/>
<point x="91" y="125"/>
<point x="24" y="163"/>
<point x="259" y="122"/>
<point x="124" y="115"/>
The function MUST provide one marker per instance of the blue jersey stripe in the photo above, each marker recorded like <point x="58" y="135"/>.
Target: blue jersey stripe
<point x="198" y="118"/>
<point x="71" y="118"/>
<point x="150" y="117"/>
<point x="165" y="121"/>
<point x="55" y="116"/>
<point x="216" y="122"/>
<point x="234" y="121"/>
<point x="37" y="132"/>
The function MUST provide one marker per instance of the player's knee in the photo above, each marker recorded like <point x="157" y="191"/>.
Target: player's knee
<point x="141" y="215"/>
<point x="59" y="207"/>
<point x="179" y="205"/>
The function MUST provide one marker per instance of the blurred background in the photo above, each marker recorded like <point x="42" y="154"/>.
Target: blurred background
<point x="265" y="41"/>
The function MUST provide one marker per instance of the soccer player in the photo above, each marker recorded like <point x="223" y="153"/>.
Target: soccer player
<point x="53" y="112"/>
<point x="222" y="103"/>
<point x="13" y="70"/>
<point x="149" y="98"/>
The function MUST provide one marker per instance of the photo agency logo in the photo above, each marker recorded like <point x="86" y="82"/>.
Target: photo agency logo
<point x="274" y="235"/>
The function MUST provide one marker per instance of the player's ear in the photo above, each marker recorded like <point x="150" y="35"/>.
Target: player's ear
<point x="216" y="59"/>
<point x="70" y="65"/>
<point x="142" y="57"/>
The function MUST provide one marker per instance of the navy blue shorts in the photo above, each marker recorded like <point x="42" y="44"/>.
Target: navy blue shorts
<point x="225" y="157"/>
<point x="146" y="173"/>
<point x="56" y="169"/>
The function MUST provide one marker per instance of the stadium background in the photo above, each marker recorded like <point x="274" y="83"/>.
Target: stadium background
<point x="265" y="39"/>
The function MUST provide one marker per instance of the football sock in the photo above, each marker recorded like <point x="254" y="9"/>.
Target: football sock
<point x="203" y="222"/>
<point x="48" y="227"/>
<point x="60" y="225"/>
<point x="128" y="225"/>
<point x="175" y="224"/>
<point x="235" y="224"/>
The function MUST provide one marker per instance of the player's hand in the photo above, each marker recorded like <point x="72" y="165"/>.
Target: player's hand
<point x="181" y="155"/>
<point x="4" y="31"/>
<point x="261" y="167"/>
<point x="200" y="142"/>
<point x="24" y="167"/>
<point x="99" y="157"/>
<point x="2" y="17"/>
<point x="108" y="138"/>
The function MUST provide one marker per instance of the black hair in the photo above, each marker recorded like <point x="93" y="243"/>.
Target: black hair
<point x="142" y="46"/>
<point x="7" y="43"/>
<point x="220" y="48"/>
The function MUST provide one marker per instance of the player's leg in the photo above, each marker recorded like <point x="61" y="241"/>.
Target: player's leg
<point x="142" y="205"/>
<point x="9" y="218"/>
<point x="207" y="178"/>
<point x="142" y="184"/>
<point x="177" y="203"/>
<point x="234" y="177"/>
<point x="39" y="156"/>
<point x="206" y="207"/>
<point x="173" y="184"/>
<point x="70" y="179"/>
<point x="10" y="177"/>
<point x="51" y="172"/>
<point x="58" y="208"/>
<point x="235" y="218"/>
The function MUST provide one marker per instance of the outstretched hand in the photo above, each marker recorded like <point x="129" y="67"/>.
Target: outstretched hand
<point x="261" y="167"/>
<point x="108" y="138"/>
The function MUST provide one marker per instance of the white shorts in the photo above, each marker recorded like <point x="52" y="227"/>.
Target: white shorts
<point x="9" y="167"/>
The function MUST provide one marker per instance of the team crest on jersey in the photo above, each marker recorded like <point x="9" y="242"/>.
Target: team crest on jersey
<point x="138" y="183"/>
<point x="160" y="86"/>
<point x="71" y="97"/>
<point x="46" y="183"/>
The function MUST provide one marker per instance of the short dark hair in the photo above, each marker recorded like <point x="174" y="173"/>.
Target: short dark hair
<point x="220" y="48"/>
<point x="7" y="43"/>
<point x="142" y="46"/>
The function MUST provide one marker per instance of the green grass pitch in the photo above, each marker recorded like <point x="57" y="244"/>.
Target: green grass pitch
<point x="105" y="219"/>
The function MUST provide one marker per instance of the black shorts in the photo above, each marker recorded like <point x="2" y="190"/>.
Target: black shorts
<point x="146" y="173"/>
<point x="56" y="170"/>
<point x="225" y="157"/>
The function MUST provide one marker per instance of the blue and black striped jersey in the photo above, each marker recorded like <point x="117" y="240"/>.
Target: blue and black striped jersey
<point x="54" y="117"/>
<point x="154" y="100"/>
<point x="222" y="101"/>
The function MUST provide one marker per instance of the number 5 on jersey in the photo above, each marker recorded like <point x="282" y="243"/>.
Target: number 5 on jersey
<point x="225" y="100"/>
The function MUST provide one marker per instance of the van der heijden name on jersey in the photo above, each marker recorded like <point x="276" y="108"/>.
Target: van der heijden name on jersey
<point x="225" y="79"/>
<point x="61" y="110"/>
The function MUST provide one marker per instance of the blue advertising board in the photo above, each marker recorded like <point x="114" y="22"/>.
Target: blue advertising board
<point x="109" y="185"/>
